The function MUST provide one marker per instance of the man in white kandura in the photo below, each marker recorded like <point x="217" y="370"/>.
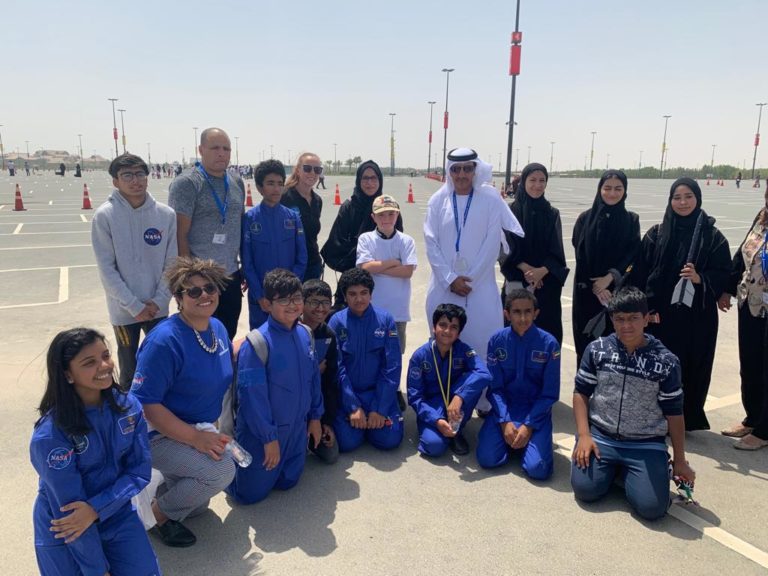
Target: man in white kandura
<point x="463" y="230"/>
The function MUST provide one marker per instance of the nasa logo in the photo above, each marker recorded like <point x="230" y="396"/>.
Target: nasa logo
<point x="60" y="458"/>
<point x="289" y="224"/>
<point x="415" y="373"/>
<point x="153" y="236"/>
<point x="138" y="381"/>
<point x="379" y="332"/>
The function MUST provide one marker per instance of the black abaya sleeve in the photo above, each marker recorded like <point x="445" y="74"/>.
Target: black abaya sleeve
<point x="555" y="258"/>
<point x="632" y="249"/>
<point x="716" y="273"/>
<point x="641" y="268"/>
<point x="339" y="251"/>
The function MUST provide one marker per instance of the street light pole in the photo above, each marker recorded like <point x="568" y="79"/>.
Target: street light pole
<point x="80" y="139"/>
<point x="392" y="144"/>
<point x="237" y="151"/>
<point x="445" y="117"/>
<point x="640" y="164"/>
<point x="195" y="146"/>
<point x="122" y="125"/>
<point x="592" y="151"/>
<point x="114" y="124"/>
<point x="429" y="154"/>
<point x="664" y="145"/>
<point x="27" y="143"/>
<point x="149" y="155"/>
<point x="514" y="71"/>
<point x="712" y="162"/>
<point x="551" y="157"/>
<point x="335" y="166"/>
<point x="529" y="155"/>
<point x="757" y="135"/>
<point x="2" y="152"/>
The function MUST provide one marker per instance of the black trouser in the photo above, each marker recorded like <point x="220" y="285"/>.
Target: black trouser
<point x="230" y="304"/>
<point x="128" y="337"/>
<point x="753" y="359"/>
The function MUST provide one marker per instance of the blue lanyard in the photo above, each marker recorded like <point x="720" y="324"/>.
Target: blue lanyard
<point x="764" y="257"/>
<point x="221" y="206"/>
<point x="456" y="216"/>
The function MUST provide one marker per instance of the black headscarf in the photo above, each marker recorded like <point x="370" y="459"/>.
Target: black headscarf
<point x="607" y="232"/>
<point x="534" y="215"/>
<point x="674" y="240"/>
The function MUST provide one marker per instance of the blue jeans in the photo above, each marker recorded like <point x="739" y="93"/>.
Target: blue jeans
<point x="646" y="478"/>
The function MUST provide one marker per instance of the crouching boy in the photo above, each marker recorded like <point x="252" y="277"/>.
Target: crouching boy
<point x="278" y="395"/>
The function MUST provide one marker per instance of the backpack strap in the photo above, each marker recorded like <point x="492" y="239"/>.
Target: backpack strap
<point x="230" y="403"/>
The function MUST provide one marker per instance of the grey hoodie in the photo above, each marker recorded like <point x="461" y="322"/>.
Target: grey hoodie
<point x="133" y="248"/>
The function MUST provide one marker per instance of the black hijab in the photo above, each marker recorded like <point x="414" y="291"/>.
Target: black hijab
<point x="534" y="214"/>
<point x="607" y="231"/>
<point x="674" y="240"/>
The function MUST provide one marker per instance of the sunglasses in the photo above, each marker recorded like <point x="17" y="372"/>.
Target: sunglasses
<point x="131" y="176"/>
<point x="467" y="168"/>
<point x="196" y="291"/>
<point x="309" y="168"/>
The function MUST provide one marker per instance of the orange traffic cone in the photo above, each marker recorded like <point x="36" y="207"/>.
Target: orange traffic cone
<point x="337" y="197"/>
<point x="19" y="206"/>
<point x="248" y="197"/>
<point x="86" y="198"/>
<point x="410" y="194"/>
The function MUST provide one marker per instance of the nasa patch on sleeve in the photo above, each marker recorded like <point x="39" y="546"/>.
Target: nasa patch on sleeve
<point x="128" y="423"/>
<point x="60" y="458"/>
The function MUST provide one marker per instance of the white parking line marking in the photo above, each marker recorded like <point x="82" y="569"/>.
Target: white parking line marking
<point x="83" y="218"/>
<point x="47" y="268"/>
<point x="18" y="228"/>
<point x="46" y="247"/>
<point x="64" y="285"/>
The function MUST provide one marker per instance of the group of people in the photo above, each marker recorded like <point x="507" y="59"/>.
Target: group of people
<point x="320" y="371"/>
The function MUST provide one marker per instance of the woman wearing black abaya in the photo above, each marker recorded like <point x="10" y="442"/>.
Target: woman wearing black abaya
<point x="354" y="219"/>
<point x="537" y="262"/>
<point x="689" y="332"/>
<point x="606" y="239"/>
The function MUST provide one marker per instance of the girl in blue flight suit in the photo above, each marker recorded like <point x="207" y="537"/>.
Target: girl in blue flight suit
<point x="91" y="451"/>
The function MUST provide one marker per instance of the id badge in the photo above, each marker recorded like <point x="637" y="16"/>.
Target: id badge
<point x="219" y="238"/>
<point x="460" y="264"/>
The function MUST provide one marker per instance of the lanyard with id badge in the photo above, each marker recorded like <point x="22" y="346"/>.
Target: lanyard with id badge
<point x="460" y="263"/>
<point x="220" y="237"/>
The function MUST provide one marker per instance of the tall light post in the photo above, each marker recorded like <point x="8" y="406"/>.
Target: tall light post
<point x="2" y="152"/>
<point x="551" y="156"/>
<point x="27" y="143"/>
<point x="114" y="124"/>
<point x="529" y="155"/>
<point x="289" y="157"/>
<point x="149" y="155"/>
<point x="592" y="150"/>
<point x="237" y="151"/>
<point x="640" y="163"/>
<point x="445" y="116"/>
<point x="607" y="161"/>
<point x="122" y="125"/>
<point x="392" y="144"/>
<point x="429" y="154"/>
<point x="271" y="151"/>
<point x="514" y="71"/>
<point x="664" y="145"/>
<point x="757" y="134"/>
<point x="712" y="161"/>
<point x="80" y="140"/>
<point x="517" y="160"/>
<point x="335" y="165"/>
<point x="195" y="146"/>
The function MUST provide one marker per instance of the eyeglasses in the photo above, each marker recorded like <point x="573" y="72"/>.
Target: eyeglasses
<point x="467" y="168"/>
<point x="309" y="168"/>
<point x="369" y="178"/>
<point x="196" y="291"/>
<point x="294" y="300"/>
<point x="315" y="303"/>
<point x="131" y="176"/>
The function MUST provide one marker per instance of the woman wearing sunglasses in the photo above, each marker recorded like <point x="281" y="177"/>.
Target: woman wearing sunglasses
<point x="183" y="369"/>
<point x="749" y="283"/>
<point x="300" y="196"/>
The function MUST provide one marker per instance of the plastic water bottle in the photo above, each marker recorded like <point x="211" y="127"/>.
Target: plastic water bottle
<point x="239" y="454"/>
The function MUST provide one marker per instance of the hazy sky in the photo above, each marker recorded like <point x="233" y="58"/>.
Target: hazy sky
<point x="302" y="75"/>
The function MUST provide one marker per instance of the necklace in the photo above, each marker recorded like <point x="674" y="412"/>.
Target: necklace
<point x="210" y="349"/>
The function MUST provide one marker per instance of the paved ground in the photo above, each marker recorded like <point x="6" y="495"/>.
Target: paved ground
<point x="393" y="513"/>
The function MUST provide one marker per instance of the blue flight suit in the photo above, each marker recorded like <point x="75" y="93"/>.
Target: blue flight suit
<point x="369" y="376"/>
<point x="273" y="237"/>
<point x="275" y="403"/>
<point x="469" y="376"/>
<point x="526" y="383"/>
<point x="105" y="468"/>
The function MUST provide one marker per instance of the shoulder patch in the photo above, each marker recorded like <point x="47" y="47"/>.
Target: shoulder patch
<point x="80" y="443"/>
<point x="138" y="381"/>
<point x="128" y="423"/>
<point x="501" y="354"/>
<point x="379" y="332"/>
<point x="471" y="352"/>
<point x="426" y="366"/>
<point x="556" y="354"/>
<point x="289" y="224"/>
<point x="60" y="458"/>
<point x="414" y="373"/>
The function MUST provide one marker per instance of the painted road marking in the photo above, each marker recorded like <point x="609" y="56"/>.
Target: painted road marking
<point x="18" y="229"/>
<point x="83" y="218"/>
<point x="63" y="290"/>
<point x="47" y="247"/>
<point x="47" y="268"/>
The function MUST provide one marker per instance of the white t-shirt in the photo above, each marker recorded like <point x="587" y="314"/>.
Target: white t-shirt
<point x="390" y="293"/>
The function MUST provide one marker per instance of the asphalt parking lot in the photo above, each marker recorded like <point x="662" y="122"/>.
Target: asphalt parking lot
<point x="387" y="513"/>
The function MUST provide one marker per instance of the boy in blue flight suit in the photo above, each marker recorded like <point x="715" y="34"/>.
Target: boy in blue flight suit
<point x="273" y="237"/>
<point x="445" y="379"/>
<point x="524" y="362"/>
<point x="279" y="404"/>
<point x="369" y="368"/>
